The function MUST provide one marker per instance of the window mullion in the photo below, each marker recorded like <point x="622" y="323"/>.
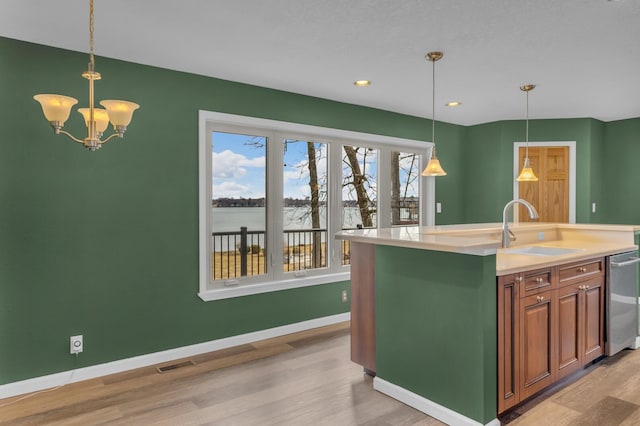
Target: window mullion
<point x="384" y="188"/>
<point x="275" y="202"/>
<point x="334" y="171"/>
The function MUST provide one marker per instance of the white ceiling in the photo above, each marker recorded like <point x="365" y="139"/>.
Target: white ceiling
<point x="584" y="55"/>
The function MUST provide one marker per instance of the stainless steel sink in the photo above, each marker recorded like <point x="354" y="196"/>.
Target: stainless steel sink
<point x="540" y="251"/>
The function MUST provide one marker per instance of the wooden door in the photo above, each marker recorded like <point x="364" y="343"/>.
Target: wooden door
<point x="550" y="194"/>
<point x="537" y="343"/>
<point x="570" y="318"/>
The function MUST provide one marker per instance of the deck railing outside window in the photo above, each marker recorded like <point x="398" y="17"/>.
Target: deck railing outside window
<point x="241" y="253"/>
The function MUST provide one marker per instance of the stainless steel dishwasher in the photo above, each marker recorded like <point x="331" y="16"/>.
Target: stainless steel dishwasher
<point x="622" y="301"/>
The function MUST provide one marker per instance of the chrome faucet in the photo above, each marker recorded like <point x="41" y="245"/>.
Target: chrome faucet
<point x="506" y="234"/>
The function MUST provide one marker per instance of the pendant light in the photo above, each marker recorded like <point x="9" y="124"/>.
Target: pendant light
<point x="56" y="108"/>
<point x="527" y="175"/>
<point x="433" y="167"/>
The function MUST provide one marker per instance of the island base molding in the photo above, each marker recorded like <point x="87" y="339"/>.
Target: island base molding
<point x="428" y="407"/>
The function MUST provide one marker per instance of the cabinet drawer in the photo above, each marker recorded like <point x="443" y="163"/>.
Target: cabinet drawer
<point x="534" y="282"/>
<point x="581" y="270"/>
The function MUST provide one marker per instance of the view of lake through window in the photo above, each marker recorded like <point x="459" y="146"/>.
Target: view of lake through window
<point x="270" y="201"/>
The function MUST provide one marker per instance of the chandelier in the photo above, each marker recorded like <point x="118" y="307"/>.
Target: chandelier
<point x="56" y="108"/>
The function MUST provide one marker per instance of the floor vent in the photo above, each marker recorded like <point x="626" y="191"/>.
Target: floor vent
<point x="170" y="367"/>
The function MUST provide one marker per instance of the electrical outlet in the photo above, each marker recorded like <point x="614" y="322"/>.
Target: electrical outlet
<point x="438" y="207"/>
<point x="344" y="296"/>
<point x="593" y="207"/>
<point x="76" y="345"/>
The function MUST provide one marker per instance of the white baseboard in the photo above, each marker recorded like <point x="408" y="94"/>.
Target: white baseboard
<point x="91" y="372"/>
<point x="431" y="408"/>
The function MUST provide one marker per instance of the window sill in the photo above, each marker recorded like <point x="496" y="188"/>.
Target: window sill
<point x="250" y="289"/>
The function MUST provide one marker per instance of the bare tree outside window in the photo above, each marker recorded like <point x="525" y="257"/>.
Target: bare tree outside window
<point x="359" y="183"/>
<point x="404" y="188"/>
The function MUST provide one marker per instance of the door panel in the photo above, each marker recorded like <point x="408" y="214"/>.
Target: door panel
<point x="594" y="320"/>
<point x="550" y="194"/>
<point x="537" y="335"/>
<point x="568" y="330"/>
<point x="508" y="323"/>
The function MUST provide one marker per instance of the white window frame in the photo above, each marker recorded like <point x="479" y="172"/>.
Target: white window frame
<point x="277" y="130"/>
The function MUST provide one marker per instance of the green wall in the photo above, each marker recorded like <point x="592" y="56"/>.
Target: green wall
<point x="436" y="327"/>
<point x="105" y="244"/>
<point x="621" y="164"/>
<point x="489" y="164"/>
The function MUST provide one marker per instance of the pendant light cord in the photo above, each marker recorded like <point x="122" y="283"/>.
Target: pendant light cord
<point x="433" y="109"/>
<point x="527" y="128"/>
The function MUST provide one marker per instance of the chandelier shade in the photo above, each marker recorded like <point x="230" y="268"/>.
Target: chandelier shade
<point x="99" y="115"/>
<point x="56" y="108"/>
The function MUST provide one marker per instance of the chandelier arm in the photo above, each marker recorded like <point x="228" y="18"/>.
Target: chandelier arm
<point x="70" y="136"/>
<point x="111" y="136"/>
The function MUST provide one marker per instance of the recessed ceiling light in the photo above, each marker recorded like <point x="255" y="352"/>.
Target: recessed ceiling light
<point x="362" y="83"/>
<point x="453" y="104"/>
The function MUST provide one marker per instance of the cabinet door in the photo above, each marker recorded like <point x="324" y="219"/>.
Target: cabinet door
<point x="508" y="323"/>
<point x="570" y="319"/>
<point x="593" y="294"/>
<point x="537" y="343"/>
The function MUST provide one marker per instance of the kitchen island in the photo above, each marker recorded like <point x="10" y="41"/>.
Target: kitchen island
<point x="425" y="305"/>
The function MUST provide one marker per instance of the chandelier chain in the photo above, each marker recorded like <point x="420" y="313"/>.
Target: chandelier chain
<point x="91" y="60"/>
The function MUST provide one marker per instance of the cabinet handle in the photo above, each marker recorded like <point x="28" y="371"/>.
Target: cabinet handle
<point x="582" y="270"/>
<point x="580" y="287"/>
<point x="586" y="287"/>
<point x="539" y="280"/>
<point x="518" y="279"/>
<point x="540" y="298"/>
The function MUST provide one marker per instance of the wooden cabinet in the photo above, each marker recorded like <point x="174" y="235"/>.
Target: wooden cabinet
<point x="550" y="324"/>
<point x="581" y="301"/>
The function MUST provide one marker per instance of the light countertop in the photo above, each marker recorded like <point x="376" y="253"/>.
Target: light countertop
<point x="589" y="240"/>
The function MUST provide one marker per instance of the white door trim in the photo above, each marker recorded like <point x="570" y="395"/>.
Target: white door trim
<point x="572" y="173"/>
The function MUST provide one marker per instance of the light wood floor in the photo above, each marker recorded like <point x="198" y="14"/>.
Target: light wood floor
<point x="302" y="379"/>
<point x="606" y="394"/>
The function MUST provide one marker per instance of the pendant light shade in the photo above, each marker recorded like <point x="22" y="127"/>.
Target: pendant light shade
<point x="527" y="174"/>
<point x="433" y="167"/>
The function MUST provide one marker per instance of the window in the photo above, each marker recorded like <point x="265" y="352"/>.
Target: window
<point x="238" y="171"/>
<point x="405" y="189"/>
<point x="304" y="207"/>
<point x="274" y="194"/>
